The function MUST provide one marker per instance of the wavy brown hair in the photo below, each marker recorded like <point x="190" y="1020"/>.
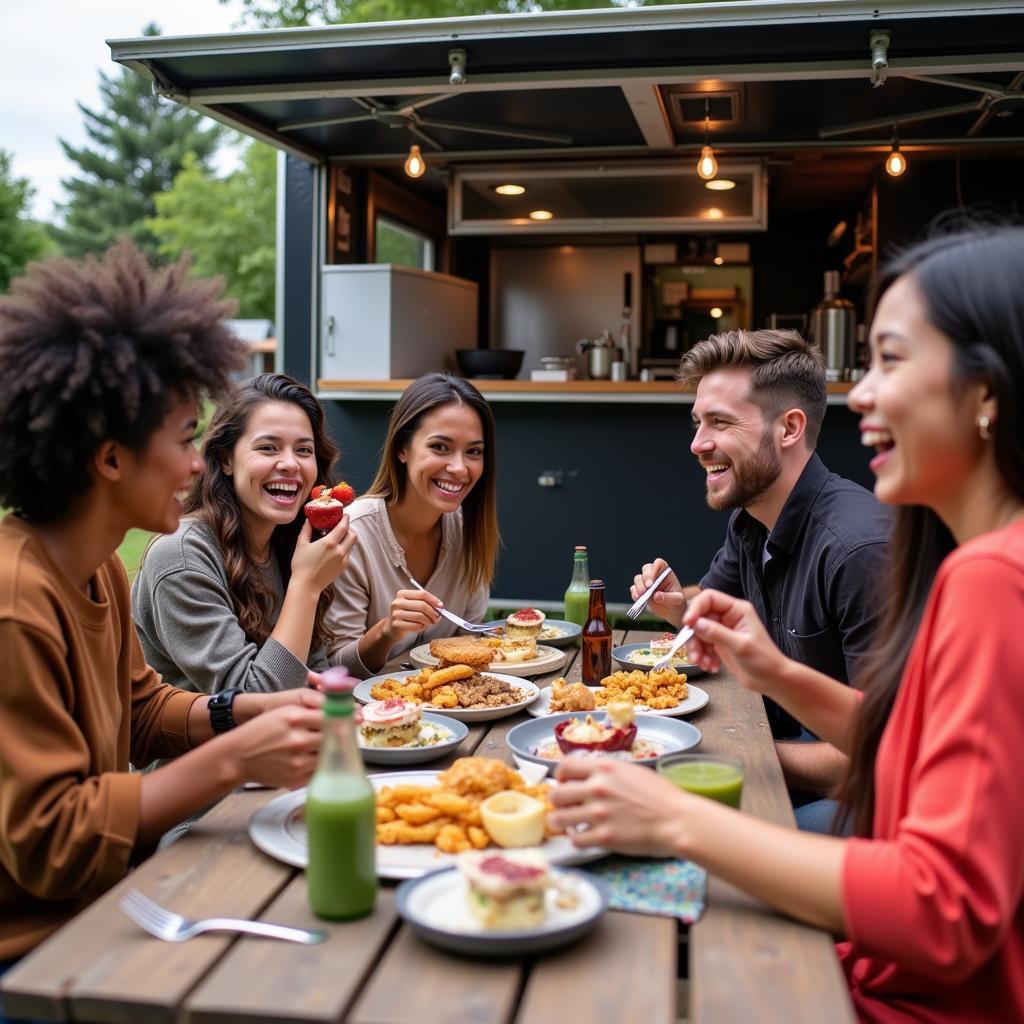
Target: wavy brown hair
<point x="480" y="508"/>
<point x="972" y="286"/>
<point x="213" y="501"/>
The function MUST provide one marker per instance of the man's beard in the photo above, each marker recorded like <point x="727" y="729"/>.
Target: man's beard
<point x="750" y="480"/>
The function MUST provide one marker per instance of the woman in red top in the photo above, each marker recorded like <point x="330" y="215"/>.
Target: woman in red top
<point x="929" y="893"/>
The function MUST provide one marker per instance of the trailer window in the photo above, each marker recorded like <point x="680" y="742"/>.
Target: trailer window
<point x="396" y="243"/>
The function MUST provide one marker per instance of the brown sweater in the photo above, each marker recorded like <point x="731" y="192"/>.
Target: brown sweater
<point x="77" y="703"/>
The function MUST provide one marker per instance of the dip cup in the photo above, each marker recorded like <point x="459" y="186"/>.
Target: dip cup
<point x="712" y="775"/>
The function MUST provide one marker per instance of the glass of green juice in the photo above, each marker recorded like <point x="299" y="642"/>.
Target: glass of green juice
<point x="712" y="775"/>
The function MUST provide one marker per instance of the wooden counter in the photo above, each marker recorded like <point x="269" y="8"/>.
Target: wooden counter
<point x="656" y="391"/>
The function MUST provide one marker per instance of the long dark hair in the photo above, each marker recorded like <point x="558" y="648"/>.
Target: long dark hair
<point x="480" y="508"/>
<point x="214" y="502"/>
<point x="972" y="286"/>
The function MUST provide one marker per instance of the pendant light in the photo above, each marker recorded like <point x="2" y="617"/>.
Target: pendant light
<point x="895" y="162"/>
<point x="415" y="165"/>
<point x="707" y="165"/>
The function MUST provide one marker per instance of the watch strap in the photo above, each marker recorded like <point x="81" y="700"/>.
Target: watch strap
<point x="220" y="706"/>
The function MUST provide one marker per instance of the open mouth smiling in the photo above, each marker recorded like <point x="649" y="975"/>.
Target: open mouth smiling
<point x="714" y="469"/>
<point x="282" y="491"/>
<point x="449" y="488"/>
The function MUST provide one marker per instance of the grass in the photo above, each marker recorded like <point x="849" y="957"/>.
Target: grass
<point x="132" y="548"/>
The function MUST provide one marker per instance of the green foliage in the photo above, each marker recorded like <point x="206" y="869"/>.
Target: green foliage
<point x="139" y="145"/>
<point x="227" y="224"/>
<point x="21" y="238"/>
<point x="292" y="13"/>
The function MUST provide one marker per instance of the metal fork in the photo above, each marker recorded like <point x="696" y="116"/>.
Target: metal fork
<point x="641" y="602"/>
<point x="681" y="638"/>
<point x="165" y="924"/>
<point x="472" y="627"/>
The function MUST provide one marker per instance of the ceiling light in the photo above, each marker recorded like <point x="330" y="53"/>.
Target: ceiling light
<point x="510" y="190"/>
<point x="718" y="261"/>
<point x="541" y="215"/>
<point x="895" y="162"/>
<point x="720" y="184"/>
<point x="707" y="165"/>
<point x="415" y="165"/>
<point x="715" y="312"/>
<point x="713" y="213"/>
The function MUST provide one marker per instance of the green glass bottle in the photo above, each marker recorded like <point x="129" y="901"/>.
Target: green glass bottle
<point x="340" y="814"/>
<point x="577" y="596"/>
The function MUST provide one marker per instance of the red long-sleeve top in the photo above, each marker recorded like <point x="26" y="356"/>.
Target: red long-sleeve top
<point x="934" y="901"/>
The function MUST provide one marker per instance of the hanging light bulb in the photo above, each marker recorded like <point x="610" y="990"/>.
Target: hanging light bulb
<point x="895" y="162"/>
<point x="707" y="165"/>
<point x="415" y="165"/>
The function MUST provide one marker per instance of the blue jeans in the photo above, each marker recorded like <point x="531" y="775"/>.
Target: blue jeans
<point x="4" y="1019"/>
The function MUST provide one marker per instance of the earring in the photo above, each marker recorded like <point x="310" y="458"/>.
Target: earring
<point x="983" y="424"/>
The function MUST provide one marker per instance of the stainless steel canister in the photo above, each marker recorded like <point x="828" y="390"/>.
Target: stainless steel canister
<point x="833" y="325"/>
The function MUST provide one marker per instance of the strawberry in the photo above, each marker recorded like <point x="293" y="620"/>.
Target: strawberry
<point x="317" y="491"/>
<point x="344" y="492"/>
<point x="323" y="511"/>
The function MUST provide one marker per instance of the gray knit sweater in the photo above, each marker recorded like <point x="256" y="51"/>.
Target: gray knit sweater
<point x="187" y="624"/>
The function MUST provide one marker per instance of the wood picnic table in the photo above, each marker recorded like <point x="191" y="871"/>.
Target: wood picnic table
<point x="746" y="962"/>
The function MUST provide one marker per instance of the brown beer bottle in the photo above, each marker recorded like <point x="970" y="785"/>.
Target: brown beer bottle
<point x="597" y="639"/>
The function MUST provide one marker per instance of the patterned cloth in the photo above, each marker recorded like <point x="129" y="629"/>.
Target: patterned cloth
<point x="670" y="888"/>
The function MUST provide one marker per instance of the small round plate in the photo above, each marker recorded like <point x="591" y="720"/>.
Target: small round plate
<point x="567" y="631"/>
<point x="670" y="734"/>
<point x="417" y="755"/>
<point x="364" y="694"/>
<point x="696" y="698"/>
<point x="621" y="655"/>
<point x="435" y="907"/>
<point x="278" y="828"/>
<point x="548" y="660"/>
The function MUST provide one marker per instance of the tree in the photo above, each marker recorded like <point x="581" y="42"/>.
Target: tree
<point x="21" y="238"/>
<point x="292" y="13"/>
<point x="140" y="145"/>
<point x="228" y="224"/>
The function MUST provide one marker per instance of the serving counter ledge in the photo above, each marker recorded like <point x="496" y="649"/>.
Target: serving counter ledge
<point x="656" y="391"/>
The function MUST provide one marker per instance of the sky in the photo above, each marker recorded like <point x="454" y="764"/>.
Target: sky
<point x="51" y="53"/>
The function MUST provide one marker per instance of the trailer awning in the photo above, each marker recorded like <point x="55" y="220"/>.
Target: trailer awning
<point x="756" y="74"/>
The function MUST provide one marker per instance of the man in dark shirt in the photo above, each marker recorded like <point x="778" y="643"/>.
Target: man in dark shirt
<point x="803" y="545"/>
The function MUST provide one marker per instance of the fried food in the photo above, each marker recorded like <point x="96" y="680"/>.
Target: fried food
<point x="487" y="692"/>
<point x="411" y="689"/>
<point x="449" y="674"/>
<point x="571" y="697"/>
<point x="457" y="686"/>
<point x="657" y="690"/>
<point x="477" y="652"/>
<point x="448" y="814"/>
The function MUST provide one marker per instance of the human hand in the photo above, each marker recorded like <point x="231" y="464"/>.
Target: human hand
<point x="623" y="807"/>
<point x="316" y="563"/>
<point x="411" y="612"/>
<point x="668" y="600"/>
<point x="280" y="747"/>
<point x="728" y="631"/>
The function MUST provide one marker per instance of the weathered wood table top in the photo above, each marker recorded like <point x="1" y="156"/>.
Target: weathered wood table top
<point x="746" y="963"/>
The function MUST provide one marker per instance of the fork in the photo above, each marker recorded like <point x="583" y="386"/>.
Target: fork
<point x="165" y="924"/>
<point x="641" y="602"/>
<point x="681" y="638"/>
<point x="472" y="627"/>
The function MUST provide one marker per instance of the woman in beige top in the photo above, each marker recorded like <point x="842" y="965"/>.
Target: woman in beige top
<point x="430" y="514"/>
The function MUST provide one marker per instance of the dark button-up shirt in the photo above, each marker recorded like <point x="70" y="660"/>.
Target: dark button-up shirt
<point x="818" y="592"/>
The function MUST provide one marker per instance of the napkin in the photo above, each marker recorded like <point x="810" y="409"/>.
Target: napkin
<point x="670" y="888"/>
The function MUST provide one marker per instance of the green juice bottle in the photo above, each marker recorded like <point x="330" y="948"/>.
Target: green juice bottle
<point x="340" y="814"/>
<point x="577" y="597"/>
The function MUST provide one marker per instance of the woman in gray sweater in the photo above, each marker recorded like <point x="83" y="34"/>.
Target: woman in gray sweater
<point x="236" y="598"/>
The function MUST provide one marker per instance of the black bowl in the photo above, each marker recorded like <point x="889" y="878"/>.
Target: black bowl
<point x="496" y="363"/>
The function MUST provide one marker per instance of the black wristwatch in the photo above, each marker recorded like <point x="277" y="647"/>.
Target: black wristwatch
<point x="220" y="704"/>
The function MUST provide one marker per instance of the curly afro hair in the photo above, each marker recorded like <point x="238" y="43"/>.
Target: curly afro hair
<point x="94" y="351"/>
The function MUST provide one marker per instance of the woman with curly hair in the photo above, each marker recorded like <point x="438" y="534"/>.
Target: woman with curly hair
<point x="430" y="514"/>
<point x="102" y="367"/>
<point x="234" y="600"/>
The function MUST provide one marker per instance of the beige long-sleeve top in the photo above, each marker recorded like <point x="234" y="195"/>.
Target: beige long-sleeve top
<point x="77" y="702"/>
<point x="377" y="571"/>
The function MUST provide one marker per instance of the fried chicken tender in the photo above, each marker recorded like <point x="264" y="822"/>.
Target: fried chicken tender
<point x="477" y="653"/>
<point x="408" y="689"/>
<point x="418" y="814"/>
<point x="479" y="776"/>
<point x="656" y="690"/>
<point x="447" y="675"/>
<point x="571" y="697"/>
<point x="445" y="697"/>
<point x="478" y="837"/>
<point x="385" y="814"/>
<point x="401" y="833"/>
<point x="453" y="839"/>
<point x="448" y="803"/>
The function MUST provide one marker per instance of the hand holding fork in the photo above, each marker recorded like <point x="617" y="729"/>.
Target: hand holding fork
<point x="470" y="627"/>
<point x="657" y="580"/>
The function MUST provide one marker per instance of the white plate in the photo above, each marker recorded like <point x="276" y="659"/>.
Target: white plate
<point x="435" y="907"/>
<point x="567" y="631"/>
<point x="363" y="693"/>
<point x="457" y="732"/>
<point x="548" y="659"/>
<point x="278" y="828"/>
<point x="696" y="698"/>
<point x="621" y="655"/>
